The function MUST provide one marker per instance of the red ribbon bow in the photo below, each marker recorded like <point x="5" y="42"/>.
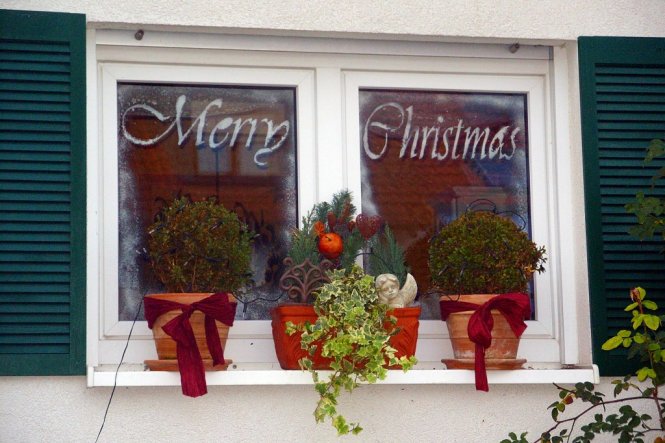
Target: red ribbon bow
<point x="515" y="307"/>
<point x="190" y="365"/>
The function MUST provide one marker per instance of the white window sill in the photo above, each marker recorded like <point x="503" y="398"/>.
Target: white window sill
<point x="271" y="374"/>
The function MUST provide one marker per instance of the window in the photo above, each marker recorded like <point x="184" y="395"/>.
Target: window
<point x="503" y="101"/>
<point x="234" y="144"/>
<point x="429" y="156"/>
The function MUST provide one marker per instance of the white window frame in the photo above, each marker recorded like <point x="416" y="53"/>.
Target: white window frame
<point x="327" y="74"/>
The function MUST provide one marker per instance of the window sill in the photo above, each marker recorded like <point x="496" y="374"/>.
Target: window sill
<point x="270" y="374"/>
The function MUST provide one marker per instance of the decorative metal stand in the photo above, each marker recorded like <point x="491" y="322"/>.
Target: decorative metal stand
<point x="299" y="281"/>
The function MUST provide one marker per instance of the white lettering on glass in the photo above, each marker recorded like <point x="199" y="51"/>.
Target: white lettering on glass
<point x="440" y="141"/>
<point x="275" y="136"/>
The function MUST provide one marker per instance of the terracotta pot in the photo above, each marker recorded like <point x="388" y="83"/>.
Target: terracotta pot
<point x="503" y="351"/>
<point x="289" y="350"/>
<point x="166" y="346"/>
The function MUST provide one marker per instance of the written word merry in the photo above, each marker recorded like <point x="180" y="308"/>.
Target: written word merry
<point x="437" y="141"/>
<point x="220" y="135"/>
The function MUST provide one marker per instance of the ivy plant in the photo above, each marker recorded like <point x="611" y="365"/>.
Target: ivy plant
<point x="353" y="330"/>
<point x="646" y="339"/>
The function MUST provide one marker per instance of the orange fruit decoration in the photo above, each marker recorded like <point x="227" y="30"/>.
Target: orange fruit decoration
<point x="330" y="245"/>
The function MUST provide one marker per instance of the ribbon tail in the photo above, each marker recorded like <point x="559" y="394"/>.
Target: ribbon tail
<point x="192" y="379"/>
<point x="213" y="341"/>
<point x="192" y="372"/>
<point x="480" y="369"/>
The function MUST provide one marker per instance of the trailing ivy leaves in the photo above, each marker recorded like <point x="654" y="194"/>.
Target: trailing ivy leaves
<point x="351" y="331"/>
<point x="645" y="340"/>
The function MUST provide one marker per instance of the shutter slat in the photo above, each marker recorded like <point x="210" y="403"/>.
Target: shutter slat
<point x="34" y="177"/>
<point x="18" y="257"/>
<point x="615" y="78"/>
<point x="33" y="247"/>
<point x="12" y="339"/>
<point x="34" y="298"/>
<point x="34" y="56"/>
<point x="36" y="166"/>
<point x="44" y="318"/>
<point x="40" y="226"/>
<point x="34" y="107"/>
<point x="41" y="277"/>
<point x="34" y="66"/>
<point x="34" y="116"/>
<point x="48" y="97"/>
<point x="623" y="109"/>
<point x="39" y="46"/>
<point x="30" y="196"/>
<point x="34" y="329"/>
<point x="24" y="126"/>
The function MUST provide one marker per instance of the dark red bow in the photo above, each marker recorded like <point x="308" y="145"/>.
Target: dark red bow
<point x="515" y="307"/>
<point x="190" y="365"/>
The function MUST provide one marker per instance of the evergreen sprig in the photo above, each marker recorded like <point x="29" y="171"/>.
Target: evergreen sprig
<point x="387" y="256"/>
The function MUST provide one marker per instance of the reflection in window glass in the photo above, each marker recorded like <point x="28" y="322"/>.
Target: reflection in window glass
<point x="426" y="157"/>
<point x="235" y="143"/>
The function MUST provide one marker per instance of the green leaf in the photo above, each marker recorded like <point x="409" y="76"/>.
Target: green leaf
<point x="651" y="321"/>
<point x="612" y="343"/>
<point x="627" y="342"/>
<point x="642" y="374"/>
<point x="631" y="306"/>
<point x="624" y="333"/>
<point x="650" y="305"/>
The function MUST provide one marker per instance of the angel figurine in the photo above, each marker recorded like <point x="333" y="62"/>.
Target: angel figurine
<point x="387" y="285"/>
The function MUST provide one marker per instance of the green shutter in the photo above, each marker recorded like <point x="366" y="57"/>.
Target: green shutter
<point x="622" y="85"/>
<point x="42" y="193"/>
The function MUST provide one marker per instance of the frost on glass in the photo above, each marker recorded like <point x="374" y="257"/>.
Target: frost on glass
<point x="235" y="143"/>
<point x="426" y="157"/>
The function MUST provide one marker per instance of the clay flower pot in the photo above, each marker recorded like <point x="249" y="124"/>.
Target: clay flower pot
<point x="502" y="354"/>
<point x="289" y="350"/>
<point x="166" y="346"/>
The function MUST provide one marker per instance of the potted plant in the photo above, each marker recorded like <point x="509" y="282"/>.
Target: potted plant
<point x="481" y="263"/>
<point x="201" y="253"/>
<point x="353" y="331"/>
<point x="331" y="236"/>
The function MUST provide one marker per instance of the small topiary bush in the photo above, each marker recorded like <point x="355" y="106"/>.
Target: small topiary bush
<point x="483" y="253"/>
<point x="200" y="247"/>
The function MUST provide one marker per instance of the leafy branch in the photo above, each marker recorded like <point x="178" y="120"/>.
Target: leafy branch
<point x="646" y="340"/>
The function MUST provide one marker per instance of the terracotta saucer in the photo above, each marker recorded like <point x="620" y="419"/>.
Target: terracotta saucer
<point x="498" y="363"/>
<point x="172" y="365"/>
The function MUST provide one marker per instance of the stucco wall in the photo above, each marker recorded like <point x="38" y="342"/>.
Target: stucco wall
<point x="451" y="19"/>
<point x="58" y="409"/>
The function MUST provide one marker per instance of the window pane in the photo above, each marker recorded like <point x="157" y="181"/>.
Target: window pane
<point x="429" y="156"/>
<point x="235" y="143"/>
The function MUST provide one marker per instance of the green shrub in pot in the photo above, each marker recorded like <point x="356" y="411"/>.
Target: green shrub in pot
<point x="483" y="253"/>
<point x="200" y="246"/>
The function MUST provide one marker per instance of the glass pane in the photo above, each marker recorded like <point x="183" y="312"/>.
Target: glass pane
<point x="235" y="143"/>
<point x="429" y="156"/>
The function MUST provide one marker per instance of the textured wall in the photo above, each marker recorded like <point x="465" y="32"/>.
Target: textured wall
<point x="505" y="19"/>
<point x="62" y="410"/>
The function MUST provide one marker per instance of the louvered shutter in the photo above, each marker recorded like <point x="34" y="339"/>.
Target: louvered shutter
<point x="622" y="85"/>
<point x="42" y="193"/>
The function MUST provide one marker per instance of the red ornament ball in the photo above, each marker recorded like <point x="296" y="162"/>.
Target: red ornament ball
<point x="330" y="245"/>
